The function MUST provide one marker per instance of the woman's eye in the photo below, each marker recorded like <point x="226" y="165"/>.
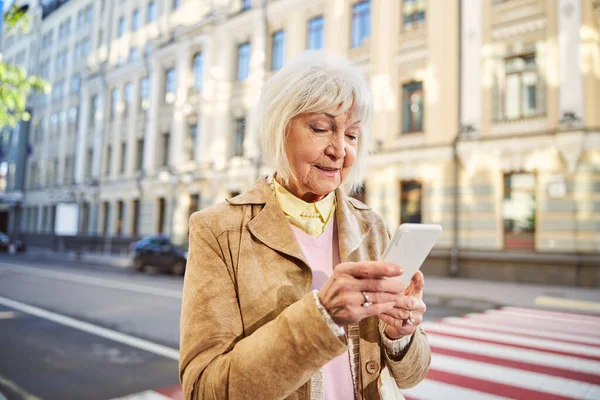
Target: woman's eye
<point x="318" y="130"/>
<point x="354" y="138"/>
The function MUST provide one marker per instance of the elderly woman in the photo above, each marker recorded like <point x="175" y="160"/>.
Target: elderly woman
<point x="283" y="296"/>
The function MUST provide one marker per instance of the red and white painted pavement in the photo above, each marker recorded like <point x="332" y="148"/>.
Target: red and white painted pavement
<point x="510" y="353"/>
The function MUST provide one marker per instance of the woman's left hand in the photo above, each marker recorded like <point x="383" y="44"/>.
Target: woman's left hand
<point x="408" y="312"/>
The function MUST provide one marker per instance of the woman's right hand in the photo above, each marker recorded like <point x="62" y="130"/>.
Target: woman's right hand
<point x="342" y="294"/>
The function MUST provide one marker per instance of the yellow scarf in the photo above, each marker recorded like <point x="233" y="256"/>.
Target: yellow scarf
<point x="312" y="218"/>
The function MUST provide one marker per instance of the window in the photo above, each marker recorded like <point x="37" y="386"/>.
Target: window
<point x="89" y="163"/>
<point x="246" y="5"/>
<point x="315" y="33"/>
<point x="123" y="160"/>
<point x="89" y="13"/>
<point x="128" y="97"/>
<point x="519" y="210"/>
<point x="95" y="105"/>
<point x="120" y="216"/>
<point x="240" y="133"/>
<point x="139" y="158"/>
<point x="100" y="38"/>
<point x="194" y="204"/>
<point x="114" y="102"/>
<point x="522" y="87"/>
<point x="412" y="107"/>
<point x="108" y="160"/>
<point x="413" y="12"/>
<point x="85" y="47"/>
<point x="135" y="223"/>
<point x="144" y="93"/>
<point x="411" y="199"/>
<point x="192" y="139"/>
<point x="162" y="205"/>
<point x="77" y="52"/>
<point x="361" y="23"/>
<point x="121" y="30"/>
<point x="175" y="5"/>
<point x="106" y="213"/>
<point x="135" y="20"/>
<point x="133" y="54"/>
<point x="170" y="85"/>
<point x="243" y="61"/>
<point x="75" y="83"/>
<point x="166" y="139"/>
<point x="151" y="12"/>
<point x="198" y="67"/>
<point x="277" y="50"/>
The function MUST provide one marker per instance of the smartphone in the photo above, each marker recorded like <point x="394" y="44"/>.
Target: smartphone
<point x="410" y="246"/>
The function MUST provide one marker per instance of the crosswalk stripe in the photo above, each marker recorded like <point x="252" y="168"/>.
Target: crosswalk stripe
<point x="533" y="324"/>
<point x="573" y="315"/>
<point x="472" y="346"/>
<point x="545" y="317"/>
<point x="147" y="395"/>
<point x="548" y="345"/>
<point x="472" y="323"/>
<point x="551" y="385"/>
<point x="542" y="369"/>
<point x="431" y="390"/>
<point x="492" y="387"/>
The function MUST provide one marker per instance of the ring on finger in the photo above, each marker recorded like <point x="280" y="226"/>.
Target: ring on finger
<point x="367" y="302"/>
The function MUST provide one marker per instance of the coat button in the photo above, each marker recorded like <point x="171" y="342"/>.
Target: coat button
<point x="372" y="367"/>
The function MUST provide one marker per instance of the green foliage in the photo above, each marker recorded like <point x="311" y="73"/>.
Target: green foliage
<point x="15" y="84"/>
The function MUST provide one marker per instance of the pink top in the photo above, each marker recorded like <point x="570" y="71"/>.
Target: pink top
<point x="322" y="253"/>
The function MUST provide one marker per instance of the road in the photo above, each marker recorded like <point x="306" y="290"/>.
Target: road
<point x="73" y="331"/>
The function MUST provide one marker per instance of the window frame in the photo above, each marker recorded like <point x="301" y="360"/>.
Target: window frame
<point x="277" y="45"/>
<point x="244" y="52"/>
<point x="315" y="31"/>
<point x="357" y="35"/>
<point x="406" y="94"/>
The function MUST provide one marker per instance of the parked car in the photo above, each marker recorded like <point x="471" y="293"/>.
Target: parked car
<point x="158" y="251"/>
<point x="6" y="243"/>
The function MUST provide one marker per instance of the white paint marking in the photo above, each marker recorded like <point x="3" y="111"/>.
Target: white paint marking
<point x="577" y="317"/>
<point x="105" y="283"/>
<point x="119" y="337"/>
<point x="513" y="377"/>
<point x="524" y="331"/>
<point x="147" y="395"/>
<point x="433" y="390"/>
<point x="472" y="346"/>
<point x="547" y="318"/>
<point x="571" y="328"/>
<point x="513" y="339"/>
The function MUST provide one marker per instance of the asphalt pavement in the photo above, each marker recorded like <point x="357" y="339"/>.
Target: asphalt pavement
<point x="82" y="330"/>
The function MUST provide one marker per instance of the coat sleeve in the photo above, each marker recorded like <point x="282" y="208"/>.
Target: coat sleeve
<point x="410" y="367"/>
<point x="216" y="360"/>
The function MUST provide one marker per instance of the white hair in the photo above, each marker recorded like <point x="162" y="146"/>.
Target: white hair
<point x="313" y="82"/>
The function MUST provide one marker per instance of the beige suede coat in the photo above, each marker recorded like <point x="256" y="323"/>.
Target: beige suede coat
<point x="250" y="328"/>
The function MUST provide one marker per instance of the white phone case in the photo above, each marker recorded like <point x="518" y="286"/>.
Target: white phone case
<point x="410" y="246"/>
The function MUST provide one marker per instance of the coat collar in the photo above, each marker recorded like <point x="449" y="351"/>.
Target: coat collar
<point x="271" y="227"/>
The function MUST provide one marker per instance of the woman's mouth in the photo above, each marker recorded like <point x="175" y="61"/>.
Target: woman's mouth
<point x="327" y="171"/>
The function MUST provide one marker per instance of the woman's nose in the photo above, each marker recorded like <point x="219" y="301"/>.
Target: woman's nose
<point x="336" y="148"/>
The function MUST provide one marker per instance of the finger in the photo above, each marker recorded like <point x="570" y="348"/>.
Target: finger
<point x="410" y="303"/>
<point x="398" y="313"/>
<point x="380" y="285"/>
<point x="415" y="288"/>
<point x="375" y="309"/>
<point x="396" y="324"/>
<point x="370" y="269"/>
<point x="376" y="297"/>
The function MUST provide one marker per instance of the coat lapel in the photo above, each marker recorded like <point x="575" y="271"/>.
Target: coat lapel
<point x="270" y="225"/>
<point x="352" y="228"/>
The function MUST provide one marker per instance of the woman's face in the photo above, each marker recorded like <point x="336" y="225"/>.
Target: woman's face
<point x="321" y="148"/>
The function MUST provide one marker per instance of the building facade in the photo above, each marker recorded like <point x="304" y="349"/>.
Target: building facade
<point x="485" y="118"/>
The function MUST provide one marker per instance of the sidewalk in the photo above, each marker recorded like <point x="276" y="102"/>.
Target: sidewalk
<point x="111" y="260"/>
<point x="437" y="288"/>
<point x="513" y="294"/>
